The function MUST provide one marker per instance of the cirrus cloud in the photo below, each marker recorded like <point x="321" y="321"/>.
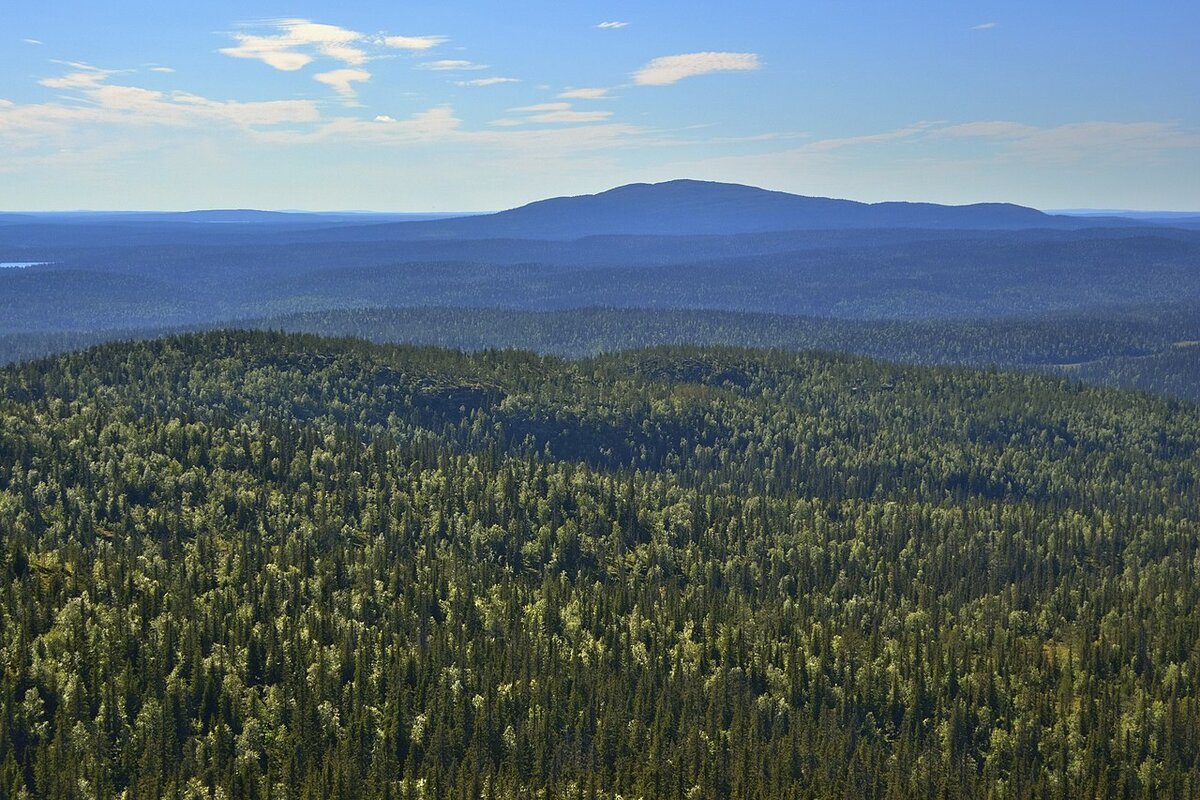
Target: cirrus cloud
<point x="671" y="69"/>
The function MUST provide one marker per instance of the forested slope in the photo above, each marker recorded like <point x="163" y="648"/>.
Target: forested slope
<point x="267" y="565"/>
<point x="1138" y="347"/>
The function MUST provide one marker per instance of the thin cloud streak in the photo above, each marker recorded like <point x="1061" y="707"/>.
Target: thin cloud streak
<point x="413" y="42"/>
<point x="666" y="70"/>
<point x="584" y="94"/>
<point x="84" y="76"/>
<point x="450" y="65"/>
<point x="478" y="82"/>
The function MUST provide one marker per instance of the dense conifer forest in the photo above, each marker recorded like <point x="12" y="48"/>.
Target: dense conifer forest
<point x="255" y="565"/>
<point x="1150" y="348"/>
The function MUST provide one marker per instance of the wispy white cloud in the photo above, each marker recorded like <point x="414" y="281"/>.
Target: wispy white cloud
<point x="451" y="64"/>
<point x="292" y="46"/>
<point x="561" y="144"/>
<point x="556" y="113"/>
<point x="97" y="105"/>
<point x="569" y="116"/>
<point x="106" y="135"/>
<point x="33" y="41"/>
<point x="837" y="143"/>
<point x="161" y="69"/>
<point x="109" y="122"/>
<point x="983" y="26"/>
<point x="73" y="80"/>
<point x="1006" y="139"/>
<point x="1077" y="142"/>
<point x="424" y="126"/>
<point x="294" y="43"/>
<point x="441" y="125"/>
<point x="265" y="112"/>
<point x="542" y="107"/>
<point x="612" y="25"/>
<point x="272" y="51"/>
<point x="1004" y="147"/>
<point x="97" y="102"/>
<point x="488" y="81"/>
<point x="342" y="80"/>
<point x="993" y="129"/>
<point x="1058" y="166"/>
<point x="413" y="42"/>
<point x="671" y="69"/>
<point x="584" y="94"/>
<point x="82" y="76"/>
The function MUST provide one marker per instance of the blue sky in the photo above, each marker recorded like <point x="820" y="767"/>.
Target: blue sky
<point x="415" y="106"/>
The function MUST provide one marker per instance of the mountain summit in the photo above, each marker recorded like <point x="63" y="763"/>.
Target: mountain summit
<point x="689" y="207"/>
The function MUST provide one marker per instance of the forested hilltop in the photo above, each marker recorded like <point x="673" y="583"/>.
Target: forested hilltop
<point x="1152" y="348"/>
<point x="258" y="565"/>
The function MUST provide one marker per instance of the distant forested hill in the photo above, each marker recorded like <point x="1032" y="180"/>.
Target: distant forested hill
<point x="1148" y="348"/>
<point x="677" y="245"/>
<point x="264" y="565"/>
<point x="989" y="275"/>
<point x="640" y="265"/>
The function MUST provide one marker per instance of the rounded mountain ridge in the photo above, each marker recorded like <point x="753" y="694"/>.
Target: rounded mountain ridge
<point x="693" y="207"/>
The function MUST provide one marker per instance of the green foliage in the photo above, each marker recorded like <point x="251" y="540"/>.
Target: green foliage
<point x="1132" y="347"/>
<point x="1173" y="370"/>
<point x="255" y="565"/>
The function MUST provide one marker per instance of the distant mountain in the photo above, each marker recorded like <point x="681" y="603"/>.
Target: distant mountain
<point x="673" y="208"/>
<point x="687" y="207"/>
